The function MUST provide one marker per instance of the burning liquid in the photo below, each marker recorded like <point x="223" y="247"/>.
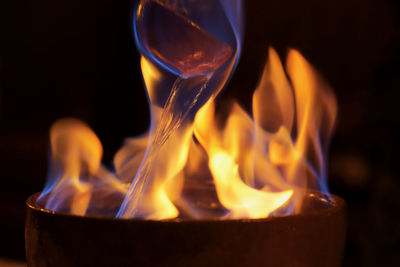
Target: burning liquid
<point x="181" y="47"/>
<point x="191" y="163"/>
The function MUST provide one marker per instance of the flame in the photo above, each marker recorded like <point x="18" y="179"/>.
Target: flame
<point x="179" y="79"/>
<point x="243" y="200"/>
<point x="76" y="178"/>
<point x="167" y="184"/>
<point x="240" y="167"/>
<point x="78" y="151"/>
<point x="263" y="154"/>
<point x="259" y="167"/>
<point x="228" y="150"/>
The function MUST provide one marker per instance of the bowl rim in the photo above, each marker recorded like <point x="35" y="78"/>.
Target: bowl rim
<point x="336" y="205"/>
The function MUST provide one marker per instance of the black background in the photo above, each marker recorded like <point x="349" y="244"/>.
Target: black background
<point x="78" y="58"/>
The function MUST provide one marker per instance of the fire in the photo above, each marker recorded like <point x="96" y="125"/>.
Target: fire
<point x="227" y="151"/>
<point x="76" y="177"/>
<point x="262" y="153"/>
<point x="259" y="166"/>
<point x="243" y="200"/>
<point x="205" y="167"/>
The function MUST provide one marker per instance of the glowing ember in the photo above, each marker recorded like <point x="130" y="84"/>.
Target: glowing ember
<point x="208" y="168"/>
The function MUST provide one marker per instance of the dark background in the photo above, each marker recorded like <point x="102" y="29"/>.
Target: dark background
<point x="78" y="58"/>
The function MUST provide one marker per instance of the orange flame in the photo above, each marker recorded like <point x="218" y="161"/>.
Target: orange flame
<point x="262" y="153"/>
<point x="259" y="167"/>
<point x="76" y="176"/>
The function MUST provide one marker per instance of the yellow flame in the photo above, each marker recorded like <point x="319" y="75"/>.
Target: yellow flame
<point x="263" y="153"/>
<point x="167" y="177"/>
<point x="228" y="150"/>
<point x="259" y="166"/>
<point x="151" y="76"/>
<point x="78" y="150"/>
<point x="242" y="200"/>
<point x="77" y="180"/>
